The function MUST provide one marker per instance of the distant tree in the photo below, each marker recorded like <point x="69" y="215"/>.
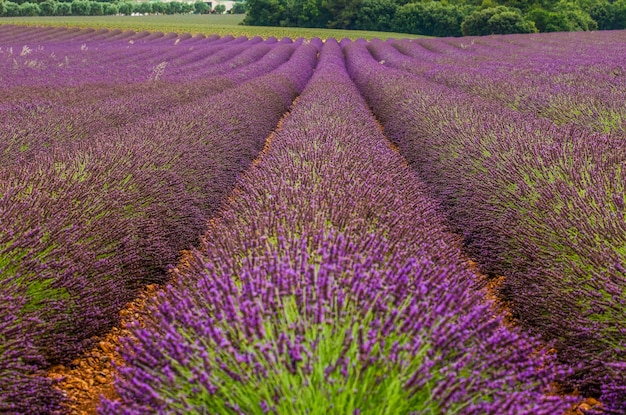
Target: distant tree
<point x="11" y="9"/>
<point x="158" y="7"/>
<point x="264" y="12"/>
<point x="110" y="9"/>
<point x="63" y="9"/>
<point x="201" y="7"/>
<point x="510" y="22"/>
<point x="219" y="9"/>
<point x="561" y="20"/>
<point x="238" y="8"/>
<point x="342" y="13"/>
<point x="174" y="7"/>
<point x="604" y="15"/>
<point x="186" y="8"/>
<point x="2" y="8"/>
<point x="525" y="5"/>
<point x="496" y="20"/>
<point x="577" y="18"/>
<point x="30" y="9"/>
<point x="48" y="7"/>
<point x="125" y="8"/>
<point x="432" y="19"/>
<point x="96" y="8"/>
<point x="548" y="21"/>
<point x="608" y="16"/>
<point x="376" y="15"/>
<point x="304" y="13"/>
<point x="144" y="7"/>
<point x="81" y="8"/>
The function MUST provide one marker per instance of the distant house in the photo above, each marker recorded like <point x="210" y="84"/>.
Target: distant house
<point x="228" y="4"/>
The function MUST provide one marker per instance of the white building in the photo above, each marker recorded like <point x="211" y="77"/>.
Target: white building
<point x="227" y="3"/>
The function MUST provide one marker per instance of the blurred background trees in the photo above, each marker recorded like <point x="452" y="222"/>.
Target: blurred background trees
<point x="14" y="8"/>
<point x="423" y="17"/>
<point x="441" y="17"/>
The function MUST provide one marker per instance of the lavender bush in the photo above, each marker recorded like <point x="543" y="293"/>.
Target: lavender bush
<point x="327" y="284"/>
<point x="20" y="394"/>
<point x="574" y="79"/>
<point x="89" y="221"/>
<point x="33" y="126"/>
<point x="541" y="204"/>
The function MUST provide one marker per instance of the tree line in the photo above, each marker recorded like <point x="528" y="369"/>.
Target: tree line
<point x="441" y="18"/>
<point x="107" y="8"/>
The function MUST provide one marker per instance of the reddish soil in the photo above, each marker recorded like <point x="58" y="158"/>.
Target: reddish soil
<point x="501" y="307"/>
<point x="90" y="375"/>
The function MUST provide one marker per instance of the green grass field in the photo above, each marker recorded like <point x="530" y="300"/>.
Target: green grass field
<point x="222" y="25"/>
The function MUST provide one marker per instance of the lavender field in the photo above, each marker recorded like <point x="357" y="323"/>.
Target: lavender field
<point x="334" y="196"/>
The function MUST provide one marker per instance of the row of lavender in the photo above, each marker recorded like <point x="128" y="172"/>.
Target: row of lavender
<point x="542" y="204"/>
<point x="56" y="70"/>
<point x="327" y="284"/>
<point x="568" y="78"/>
<point x="32" y="119"/>
<point x="93" y="207"/>
<point x="71" y="58"/>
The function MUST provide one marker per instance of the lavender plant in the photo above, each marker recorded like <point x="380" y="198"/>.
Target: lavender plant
<point x="327" y="284"/>
<point x="538" y="203"/>
<point x="23" y="386"/>
<point x="88" y="222"/>
<point x="33" y="126"/>
<point x="568" y="79"/>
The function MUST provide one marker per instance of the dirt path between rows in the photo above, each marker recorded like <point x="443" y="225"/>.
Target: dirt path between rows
<point x="503" y="308"/>
<point x="90" y="375"/>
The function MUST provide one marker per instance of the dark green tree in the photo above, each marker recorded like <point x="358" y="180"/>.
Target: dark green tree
<point x="30" y="9"/>
<point x="11" y="9"/>
<point x="342" y="13"/>
<point x="525" y="5"/>
<point x="158" y="7"/>
<point x="81" y="8"/>
<point x="63" y="9"/>
<point x="238" y="8"/>
<point x="186" y="8"/>
<point x="201" y="7"/>
<point x="561" y="20"/>
<point x="48" y="7"/>
<point x="174" y="7"/>
<point x="432" y="19"/>
<point x="496" y="20"/>
<point x="110" y="9"/>
<point x="305" y="13"/>
<point x="376" y="15"/>
<point x="608" y="16"/>
<point x="96" y="8"/>
<point x="220" y="9"/>
<point x="604" y="15"/>
<point x="548" y="21"/>
<point x="264" y="12"/>
<point x="577" y="18"/>
<point x="125" y="8"/>
<point x="144" y="7"/>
